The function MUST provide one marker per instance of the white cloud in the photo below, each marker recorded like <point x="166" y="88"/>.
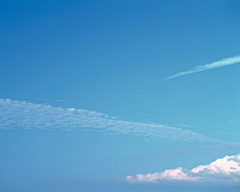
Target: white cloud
<point x="24" y="115"/>
<point x="225" y="169"/>
<point x="216" y="64"/>
<point x="171" y="174"/>
<point x="224" y="166"/>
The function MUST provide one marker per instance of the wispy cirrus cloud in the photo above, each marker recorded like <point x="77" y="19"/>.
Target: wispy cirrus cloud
<point x="224" y="169"/>
<point x="216" y="64"/>
<point x="25" y="115"/>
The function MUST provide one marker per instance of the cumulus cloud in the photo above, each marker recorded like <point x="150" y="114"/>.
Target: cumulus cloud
<point x="171" y="174"/>
<point x="226" y="166"/>
<point x="216" y="64"/>
<point x="24" y="115"/>
<point x="225" y="169"/>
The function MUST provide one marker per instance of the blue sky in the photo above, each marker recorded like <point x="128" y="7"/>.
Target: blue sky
<point x="119" y="95"/>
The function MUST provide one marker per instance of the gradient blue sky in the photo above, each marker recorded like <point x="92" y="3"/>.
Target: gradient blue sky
<point x="95" y="95"/>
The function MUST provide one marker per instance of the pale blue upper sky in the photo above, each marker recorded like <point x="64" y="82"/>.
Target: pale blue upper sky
<point x="94" y="92"/>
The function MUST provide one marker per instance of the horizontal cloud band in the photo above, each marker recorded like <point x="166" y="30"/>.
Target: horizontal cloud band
<point x="24" y="115"/>
<point x="225" y="169"/>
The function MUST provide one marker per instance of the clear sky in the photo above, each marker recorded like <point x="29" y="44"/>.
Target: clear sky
<point x="125" y="96"/>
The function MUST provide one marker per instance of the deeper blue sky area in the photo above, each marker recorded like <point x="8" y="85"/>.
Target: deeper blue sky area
<point x="94" y="95"/>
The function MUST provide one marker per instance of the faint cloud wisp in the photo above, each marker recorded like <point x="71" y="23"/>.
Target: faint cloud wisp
<point x="216" y="64"/>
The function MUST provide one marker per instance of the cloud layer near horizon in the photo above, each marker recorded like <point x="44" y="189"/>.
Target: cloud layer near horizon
<point x="24" y="115"/>
<point x="225" y="169"/>
<point x="216" y="64"/>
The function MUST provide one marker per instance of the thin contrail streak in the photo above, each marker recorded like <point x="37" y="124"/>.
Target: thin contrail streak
<point x="216" y="64"/>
